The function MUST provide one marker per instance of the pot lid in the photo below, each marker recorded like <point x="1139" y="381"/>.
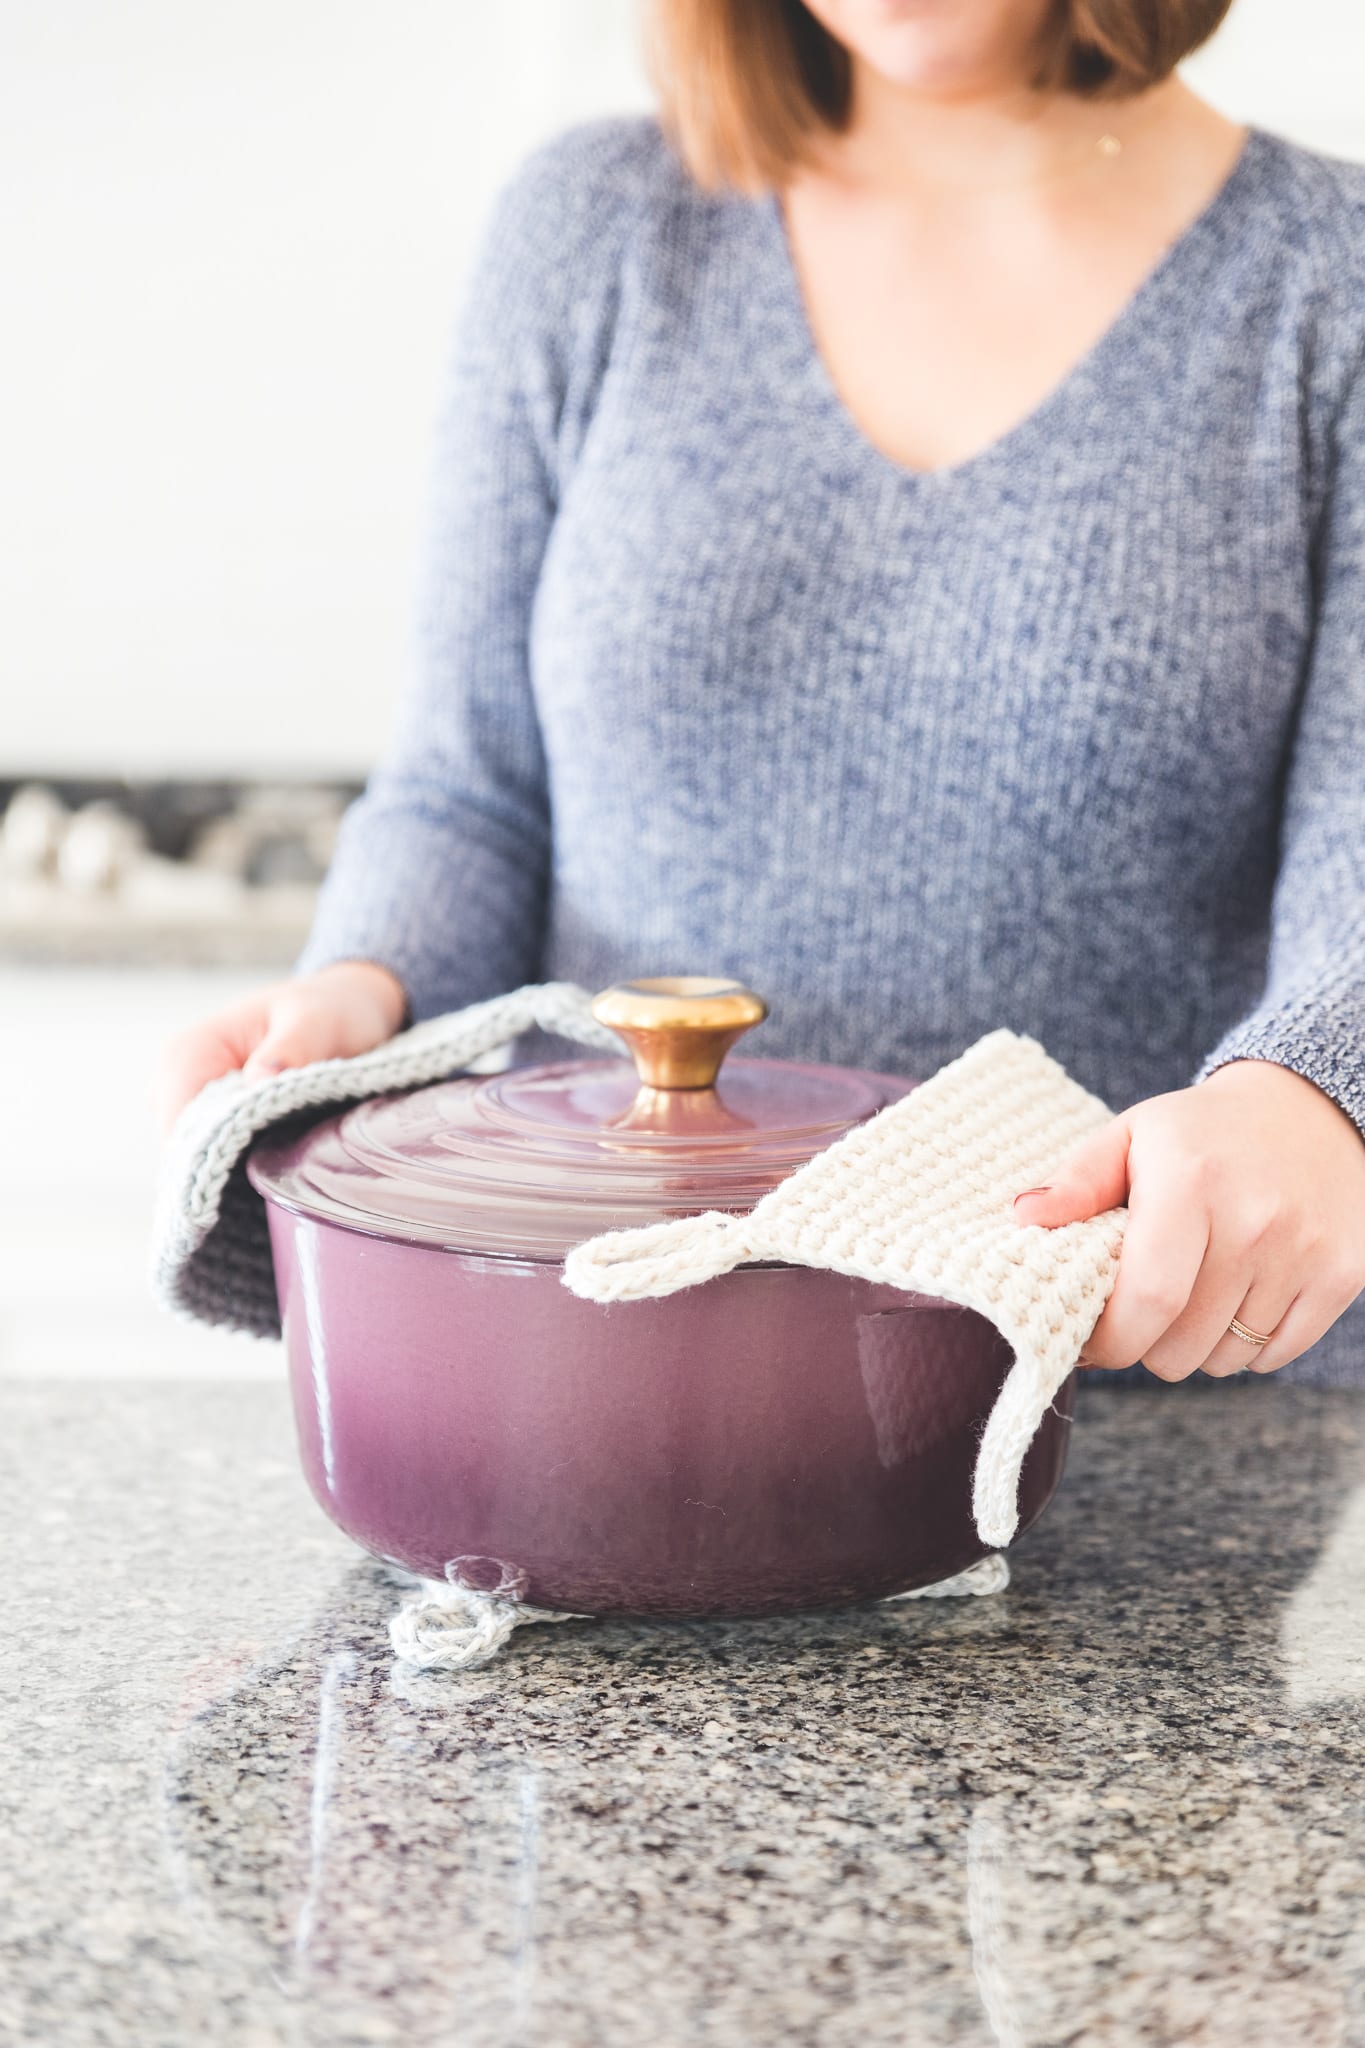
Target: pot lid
<point x="530" y="1162"/>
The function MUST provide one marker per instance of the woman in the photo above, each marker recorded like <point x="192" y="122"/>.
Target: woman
<point x="901" y="541"/>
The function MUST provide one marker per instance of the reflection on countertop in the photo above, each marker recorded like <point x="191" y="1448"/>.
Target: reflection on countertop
<point x="1119" y="1804"/>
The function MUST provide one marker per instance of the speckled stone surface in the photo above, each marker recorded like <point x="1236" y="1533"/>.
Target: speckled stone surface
<point x="1124" y="1803"/>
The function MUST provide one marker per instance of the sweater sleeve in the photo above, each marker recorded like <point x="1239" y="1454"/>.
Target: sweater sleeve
<point x="1312" y="1014"/>
<point x="441" y="868"/>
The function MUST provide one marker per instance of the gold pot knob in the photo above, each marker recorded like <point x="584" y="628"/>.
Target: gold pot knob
<point x="679" y="1027"/>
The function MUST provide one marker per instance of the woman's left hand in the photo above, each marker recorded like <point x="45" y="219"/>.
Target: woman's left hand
<point x="1246" y="1198"/>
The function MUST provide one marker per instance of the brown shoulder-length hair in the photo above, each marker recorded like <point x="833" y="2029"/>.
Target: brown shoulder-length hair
<point x="746" y="85"/>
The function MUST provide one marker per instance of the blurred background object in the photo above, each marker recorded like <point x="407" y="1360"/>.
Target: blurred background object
<point x="189" y="872"/>
<point x="232" y="251"/>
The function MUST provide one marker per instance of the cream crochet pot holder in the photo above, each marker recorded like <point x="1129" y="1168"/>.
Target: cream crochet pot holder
<point x="919" y="1197"/>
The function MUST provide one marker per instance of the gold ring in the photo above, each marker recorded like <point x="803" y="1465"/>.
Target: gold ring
<point x="1236" y="1329"/>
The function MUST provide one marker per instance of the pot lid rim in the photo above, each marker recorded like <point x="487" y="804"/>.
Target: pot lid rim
<point x="489" y="1174"/>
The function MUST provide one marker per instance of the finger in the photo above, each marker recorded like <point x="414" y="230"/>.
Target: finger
<point x="1163" y="1251"/>
<point x="1309" y="1316"/>
<point x="201" y="1056"/>
<point x="1091" y="1179"/>
<point x="298" y="1033"/>
<point x="1263" y="1308"/>
<point x="1190" y="1344"/>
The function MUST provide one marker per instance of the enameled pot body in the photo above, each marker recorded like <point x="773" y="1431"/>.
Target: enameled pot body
<point x="776" y="1439"/>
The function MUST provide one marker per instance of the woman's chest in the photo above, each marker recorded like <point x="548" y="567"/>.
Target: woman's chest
<point x="941" y="335"/>
<point x="726" y="560"/>
<point x="944" y="318"/>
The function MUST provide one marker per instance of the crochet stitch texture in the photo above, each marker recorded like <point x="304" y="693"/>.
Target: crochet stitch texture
<point x="211" y="1259"/>
<point x="920" y="1197"/>
<point x="1067" y="737"/>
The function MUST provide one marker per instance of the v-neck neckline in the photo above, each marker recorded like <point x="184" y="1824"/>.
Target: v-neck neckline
<point x="806" y="376"/>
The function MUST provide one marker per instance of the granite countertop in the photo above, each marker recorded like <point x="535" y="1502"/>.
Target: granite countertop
<point x="1120" y="1804"/>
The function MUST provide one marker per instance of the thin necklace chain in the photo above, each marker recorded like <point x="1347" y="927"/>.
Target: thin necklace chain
<point x="1106" y="148"/>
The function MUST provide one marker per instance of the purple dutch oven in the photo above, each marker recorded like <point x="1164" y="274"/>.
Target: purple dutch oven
<point x="775" y="1439"/>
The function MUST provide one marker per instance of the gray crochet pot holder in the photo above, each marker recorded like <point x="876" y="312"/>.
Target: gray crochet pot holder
<point x="211" y="1258"/>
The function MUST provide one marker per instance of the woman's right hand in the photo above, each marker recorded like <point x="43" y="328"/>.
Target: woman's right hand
<point x="339" y="1011"/>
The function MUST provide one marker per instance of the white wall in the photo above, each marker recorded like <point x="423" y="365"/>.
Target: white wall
<point x="231" y="242"/>
<point x="1297" y="66"/>
<point x="230" y="246"/>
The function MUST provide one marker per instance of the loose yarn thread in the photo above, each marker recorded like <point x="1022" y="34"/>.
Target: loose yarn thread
<point x="444" y="1626"/>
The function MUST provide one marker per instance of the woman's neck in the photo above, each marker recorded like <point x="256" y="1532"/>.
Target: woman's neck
<point x="1005" y="135"/>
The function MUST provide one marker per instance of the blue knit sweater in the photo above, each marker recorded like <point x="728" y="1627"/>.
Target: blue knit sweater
<point x="1069" y="737"/>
